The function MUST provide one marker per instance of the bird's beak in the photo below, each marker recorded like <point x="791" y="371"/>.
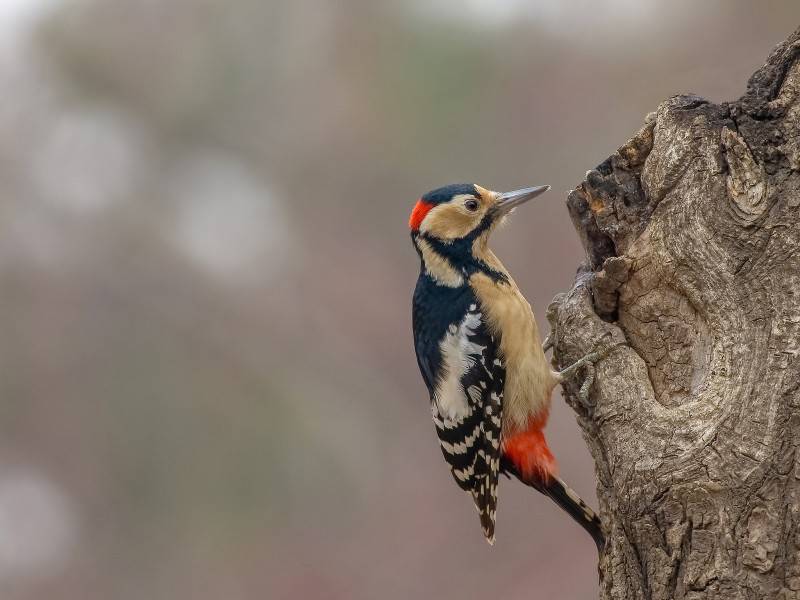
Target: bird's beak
<point x="510" y="200"/>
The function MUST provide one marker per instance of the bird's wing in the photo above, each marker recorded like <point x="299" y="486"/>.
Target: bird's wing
<point x="467" y="410"/>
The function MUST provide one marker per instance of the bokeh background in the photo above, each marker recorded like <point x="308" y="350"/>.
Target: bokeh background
<point x="208" y="387"/>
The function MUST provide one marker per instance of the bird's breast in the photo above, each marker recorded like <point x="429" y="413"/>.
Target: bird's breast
<point x="529" y="378"/>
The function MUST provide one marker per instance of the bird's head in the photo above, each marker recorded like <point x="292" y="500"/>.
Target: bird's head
<point x="451" y="225"/>
<point x="465" y="211"/>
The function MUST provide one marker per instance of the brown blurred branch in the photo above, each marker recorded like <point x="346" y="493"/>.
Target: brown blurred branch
<point x="692" y="231"/>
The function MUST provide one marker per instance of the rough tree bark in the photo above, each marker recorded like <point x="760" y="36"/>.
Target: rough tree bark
<point x="692" y="232"/>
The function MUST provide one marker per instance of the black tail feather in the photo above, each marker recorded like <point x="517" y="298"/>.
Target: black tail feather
<point x="568" y="500"/>
<point x="573" y="505"/>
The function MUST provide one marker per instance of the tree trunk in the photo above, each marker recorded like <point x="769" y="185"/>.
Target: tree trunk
<point x="692" y="232"/>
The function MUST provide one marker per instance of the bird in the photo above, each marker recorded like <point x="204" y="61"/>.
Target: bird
<point x="481" y="356"/>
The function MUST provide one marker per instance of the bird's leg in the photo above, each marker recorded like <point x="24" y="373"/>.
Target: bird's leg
<point x="572" y="370"/>
<point x="588" y="362"/>
<point x="548" y="342"/>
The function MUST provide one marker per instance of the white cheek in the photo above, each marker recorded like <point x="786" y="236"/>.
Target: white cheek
<point x="451" y="220"/>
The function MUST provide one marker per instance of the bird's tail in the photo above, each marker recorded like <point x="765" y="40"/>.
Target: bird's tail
<point x="568" y="500"/>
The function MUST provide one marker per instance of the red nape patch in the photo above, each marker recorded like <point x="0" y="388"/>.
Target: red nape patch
<point x="418" y="214"/>
<point x="529" y="453"/>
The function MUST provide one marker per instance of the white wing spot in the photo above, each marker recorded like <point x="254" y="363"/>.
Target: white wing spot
<point x="457" y="357"/>
<point x="474" y="393"/>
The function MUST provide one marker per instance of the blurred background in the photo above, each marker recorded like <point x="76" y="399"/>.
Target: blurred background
<point x="207" y="377"/>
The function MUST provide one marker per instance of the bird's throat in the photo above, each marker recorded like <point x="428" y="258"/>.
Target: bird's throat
<point x="453" y="263"/>
<point x="438" y="267"/>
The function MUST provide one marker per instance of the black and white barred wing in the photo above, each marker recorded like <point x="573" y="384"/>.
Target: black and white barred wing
<point x="467" y="410"/>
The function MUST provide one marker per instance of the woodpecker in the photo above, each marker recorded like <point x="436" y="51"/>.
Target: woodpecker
<point x="480" y="353"/>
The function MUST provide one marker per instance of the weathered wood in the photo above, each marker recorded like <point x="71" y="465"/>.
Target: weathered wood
<point x="692" y="232"/>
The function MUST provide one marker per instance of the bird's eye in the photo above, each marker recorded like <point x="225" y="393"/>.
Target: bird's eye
<point x="471" y="205"/>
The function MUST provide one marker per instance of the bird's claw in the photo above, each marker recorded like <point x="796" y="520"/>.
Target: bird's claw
<point x="588" y="363"/>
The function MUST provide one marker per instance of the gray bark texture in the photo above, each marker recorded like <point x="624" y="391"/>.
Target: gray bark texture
<point x="692" y="233"/>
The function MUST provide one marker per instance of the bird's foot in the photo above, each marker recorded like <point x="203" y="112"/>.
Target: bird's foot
<point x="588" y="363"/>
<point x="590" y="359"/>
